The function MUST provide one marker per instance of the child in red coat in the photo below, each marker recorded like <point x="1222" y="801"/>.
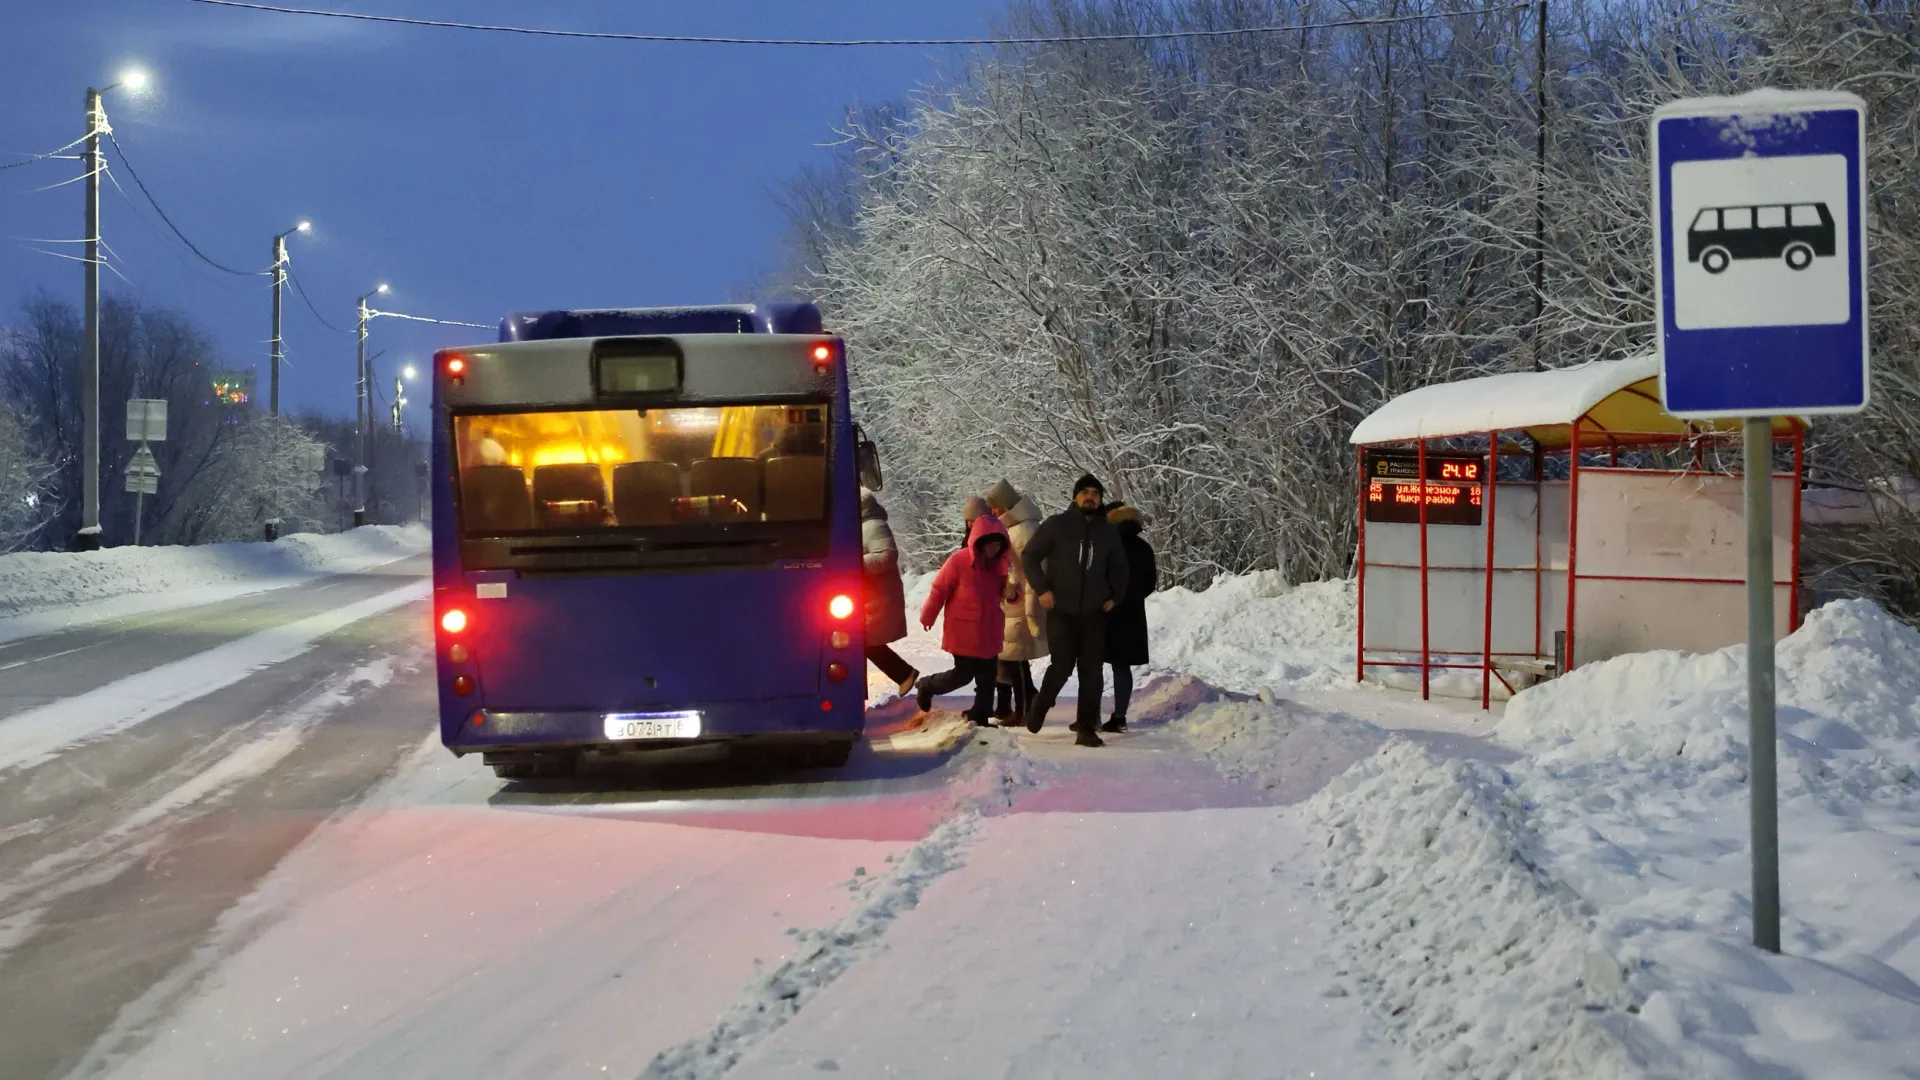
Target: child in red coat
<point x="969" y="588"/>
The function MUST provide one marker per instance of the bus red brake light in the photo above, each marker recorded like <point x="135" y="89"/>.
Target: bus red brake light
<point x="822" y="358"/>
<point x="840" y="606"/>
<point x="454" y="621"/>
<point x="837" y="672"/>
<point x="456" y="366"/>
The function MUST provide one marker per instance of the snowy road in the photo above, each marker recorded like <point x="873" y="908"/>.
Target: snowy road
<point x="230" y="846"/>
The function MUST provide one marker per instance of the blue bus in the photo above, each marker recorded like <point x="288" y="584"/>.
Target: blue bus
<point x="646" y="535"/>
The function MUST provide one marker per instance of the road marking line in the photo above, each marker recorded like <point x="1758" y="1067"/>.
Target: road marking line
<point x="49" y="656"/>
<point x="37" y="735"/>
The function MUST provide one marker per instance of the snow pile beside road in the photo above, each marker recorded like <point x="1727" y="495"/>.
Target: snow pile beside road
<point x="1249" y="632"/>
<point x="1286" y="748"/>
<point x="38" y="580"/>
<point x="1480" y="963"/>
<point x="1639" y="795"/>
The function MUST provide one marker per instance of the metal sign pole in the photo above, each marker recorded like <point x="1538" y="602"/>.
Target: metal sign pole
<point x="1762" y="783"/>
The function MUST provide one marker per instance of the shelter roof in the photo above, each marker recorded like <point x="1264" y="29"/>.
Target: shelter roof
<point x="1608" y="399"/>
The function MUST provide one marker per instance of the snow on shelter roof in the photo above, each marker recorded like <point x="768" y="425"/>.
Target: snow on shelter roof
<point x="1606" y="397"/>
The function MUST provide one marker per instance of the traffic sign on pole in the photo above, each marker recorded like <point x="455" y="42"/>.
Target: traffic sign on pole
<point x="1759" y="211"/>
<point x="1760" y="264"/>
<point x="147" y="420"/>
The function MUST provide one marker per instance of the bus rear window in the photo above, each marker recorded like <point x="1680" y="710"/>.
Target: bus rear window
<point x="589" y="470"/>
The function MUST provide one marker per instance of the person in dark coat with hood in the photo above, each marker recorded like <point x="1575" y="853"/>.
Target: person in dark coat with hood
<point x="1127" y="625"/>
<point x="1078" y="570"/>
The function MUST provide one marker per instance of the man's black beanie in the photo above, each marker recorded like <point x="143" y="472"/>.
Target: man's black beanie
<point x="1086" y="482"/>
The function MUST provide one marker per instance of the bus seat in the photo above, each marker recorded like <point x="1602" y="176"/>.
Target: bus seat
<point x="796" y="487"/>
<point x="643" y="492"/>
<point x="493" y="498"/>
<point x="737" y="478"/>
<point x="573" y="494"/>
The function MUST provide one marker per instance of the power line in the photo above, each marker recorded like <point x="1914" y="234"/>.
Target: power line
<point x="204" y="257"/>
<point x="302" y="290"/>
<point x="683" y="39"/>
<point x="31" y="158"/>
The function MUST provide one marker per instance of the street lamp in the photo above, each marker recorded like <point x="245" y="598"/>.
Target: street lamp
<point x="363" y="403"/>
<point x="279" y="281"/>
<point x="94" y="164"/>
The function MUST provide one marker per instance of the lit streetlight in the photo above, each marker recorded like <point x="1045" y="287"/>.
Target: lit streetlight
<point x="94" y="164"/>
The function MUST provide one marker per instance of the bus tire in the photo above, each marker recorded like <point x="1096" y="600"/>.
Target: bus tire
<point x="1715" y="260"/>
<point x="1798" y="256"/>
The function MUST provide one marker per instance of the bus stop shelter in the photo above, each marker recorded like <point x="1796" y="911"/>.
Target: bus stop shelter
<point x="1522" y="524"/>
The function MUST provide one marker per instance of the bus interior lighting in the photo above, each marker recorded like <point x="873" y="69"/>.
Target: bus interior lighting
<point x="840" y="606"/>
<point x="454" y="621"/>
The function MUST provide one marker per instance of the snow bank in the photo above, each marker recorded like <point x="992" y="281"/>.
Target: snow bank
<point x="1476" y="959"/>
<point x="33" y="581"/>
<point x="1638" y="795"/>
<point x="1284" y="747"/>
<point x="1250" y="632"/>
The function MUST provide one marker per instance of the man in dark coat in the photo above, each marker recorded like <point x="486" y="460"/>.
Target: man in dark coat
<point x="1077" y="569"/>
<point x="1127" y="626"/>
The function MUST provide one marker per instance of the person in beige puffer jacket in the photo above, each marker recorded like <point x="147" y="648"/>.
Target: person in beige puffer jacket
<point x="1026" y="633"/>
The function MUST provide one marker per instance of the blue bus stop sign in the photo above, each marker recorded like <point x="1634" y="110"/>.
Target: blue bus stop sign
<point x="1761" y="285"/>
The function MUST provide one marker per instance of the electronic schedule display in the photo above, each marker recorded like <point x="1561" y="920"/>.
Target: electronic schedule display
<point x="1455" y="488"/>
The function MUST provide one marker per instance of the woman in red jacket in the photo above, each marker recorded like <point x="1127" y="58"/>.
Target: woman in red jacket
<point x="969" y="588"/>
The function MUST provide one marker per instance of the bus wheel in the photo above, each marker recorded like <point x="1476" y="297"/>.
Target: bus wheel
<point x="1798" y="256"/>
<point x="1715" y="260"/>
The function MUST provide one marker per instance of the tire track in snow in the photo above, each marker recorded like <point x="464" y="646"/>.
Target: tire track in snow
<point x="821" y="956"/>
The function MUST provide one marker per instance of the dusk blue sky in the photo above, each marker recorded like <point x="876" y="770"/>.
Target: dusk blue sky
<point x="478" y="173"/>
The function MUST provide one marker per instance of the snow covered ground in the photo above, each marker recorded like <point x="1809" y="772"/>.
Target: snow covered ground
<point x="46" y="591"/>
<point x="1275" y="872"/>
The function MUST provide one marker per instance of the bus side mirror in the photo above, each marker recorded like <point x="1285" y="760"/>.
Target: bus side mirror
<point x="867" y="463"/>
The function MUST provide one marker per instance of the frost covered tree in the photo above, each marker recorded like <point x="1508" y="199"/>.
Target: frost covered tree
<point x="1192" y="265"/>
<point x="24" y="476"/>
<point x="259" y="474"/>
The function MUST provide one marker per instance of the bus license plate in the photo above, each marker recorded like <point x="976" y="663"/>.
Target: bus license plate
<point x="624" y="726"/>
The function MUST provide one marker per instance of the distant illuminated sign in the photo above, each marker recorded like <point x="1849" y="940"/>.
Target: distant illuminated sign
<point x="1454" y="491"/>
<point x="233" y="387"/>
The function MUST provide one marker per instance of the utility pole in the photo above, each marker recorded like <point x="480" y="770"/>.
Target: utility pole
<point x="273" y="356"/>
<point x="362" y="405"/>
<point x="89" y="538"/>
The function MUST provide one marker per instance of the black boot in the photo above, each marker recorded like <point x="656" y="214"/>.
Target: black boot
<point x="1118" y="722"/>
<point x="924" y="695"/>
<point x="1088" y="738"/>
<point x="1003" y="701"/>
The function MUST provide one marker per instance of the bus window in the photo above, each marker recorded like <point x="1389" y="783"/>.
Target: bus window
<point x="589" y="470"/>
<point x="1770" y="217"/>
<point x="1707" y="220"/>
<point x="1806" y="216"/>
<point x="1736" y="217"/>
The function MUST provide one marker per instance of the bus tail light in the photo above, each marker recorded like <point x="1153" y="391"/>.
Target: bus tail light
<point x="822" y="358"/>
<point x="463" y="685"/>
<point x="839" y="639"/>
<point x="457" y="653"/>
<point x="457" y="370"/>
<point x="837" y="672"/>
<point x="453" y="621"/>
<point x="841" y="606"/>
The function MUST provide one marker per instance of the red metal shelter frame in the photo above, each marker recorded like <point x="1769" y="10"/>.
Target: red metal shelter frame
<point x="1614" y="442"/>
